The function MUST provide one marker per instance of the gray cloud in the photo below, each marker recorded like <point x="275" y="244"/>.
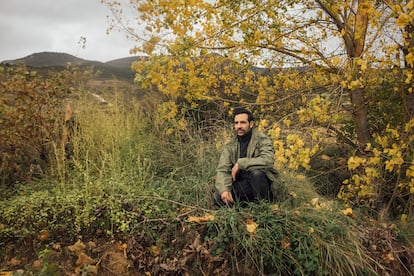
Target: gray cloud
<point x="28" y="26"/>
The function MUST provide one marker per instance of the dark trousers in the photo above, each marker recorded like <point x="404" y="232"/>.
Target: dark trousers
<point x="249" y="186"/>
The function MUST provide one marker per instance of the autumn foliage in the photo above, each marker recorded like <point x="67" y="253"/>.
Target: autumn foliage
<point x="32" y="121"/>
<point x="329" y="81"/>
<point x="316" y="73"/>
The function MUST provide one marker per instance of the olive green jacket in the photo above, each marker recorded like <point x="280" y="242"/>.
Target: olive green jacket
<point x="260" y="155"/>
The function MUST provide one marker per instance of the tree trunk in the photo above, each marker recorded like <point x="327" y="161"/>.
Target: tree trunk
<point x="408" y="97"/>
<point x="359" y="115"/>
<point x="356" y="50"/>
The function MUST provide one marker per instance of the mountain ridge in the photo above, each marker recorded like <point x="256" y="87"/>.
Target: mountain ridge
<point x="120" y="68"/>
<point x="45" y="59"/>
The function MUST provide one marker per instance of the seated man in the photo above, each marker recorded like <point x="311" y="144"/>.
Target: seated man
<point x="245" y="171"/>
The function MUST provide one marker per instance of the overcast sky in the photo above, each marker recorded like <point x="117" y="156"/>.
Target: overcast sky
<point x="32" y="26"/>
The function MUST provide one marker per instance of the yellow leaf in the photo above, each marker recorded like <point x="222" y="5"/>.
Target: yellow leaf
<point x="122" y="247"/>
<point x="293" y="194"/>
<point x="403" y="20"/>
<point x="354" y="162"/>
<point x="347" y="212"/>
<point x="325" y="157"/>
<point x="314" y="201"/>
<point x="410" y="171"/>
<point x="205" y="218"/>
<point x="409" y="77"/>
<point x="287" y="122"/>
<point x="275" y="207"/>
<point x="404" y="219"/>
<point x="251" y="226"/>
<point x="388" y="258"/>
<point x="363" y="64"/>
<point x="355" y="84"/>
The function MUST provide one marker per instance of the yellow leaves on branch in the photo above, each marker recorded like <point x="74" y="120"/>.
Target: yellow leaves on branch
<point x="296" y="152"/>
<point x="317" y="109"/>
<point x="403" y="20"/>
<point x="395" y="155"/>
<point x="355" y="161"/>
<point x="390" y="154"/>
<point x="409" y="74"/>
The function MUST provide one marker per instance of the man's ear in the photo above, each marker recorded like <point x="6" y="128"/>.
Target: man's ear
<point x="251" y="124"/>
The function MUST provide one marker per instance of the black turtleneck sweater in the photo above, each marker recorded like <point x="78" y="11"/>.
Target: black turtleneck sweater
<point x="244" y="143"/>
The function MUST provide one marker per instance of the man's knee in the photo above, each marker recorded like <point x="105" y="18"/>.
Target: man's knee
<point x="261" y="185"/>
<point x="258" y="176"/>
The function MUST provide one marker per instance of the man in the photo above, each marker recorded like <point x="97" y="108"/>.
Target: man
<point x="245" y="171"/>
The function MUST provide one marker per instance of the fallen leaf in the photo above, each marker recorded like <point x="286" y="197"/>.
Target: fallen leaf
<point x="43" y="235"/>
<point x="314" y="201"/>
<point x="37" y="265"/>
<point x="285" y="243"/>
<point x="15" y="261"/>
<point x="275" y="207"/>
<point x="251" y="226"/>
<point x="293" y="194"/>
<point x="388" y="258"/>
<point x="347" y="212"/>
<point x="205" y="218"/>
<point x="57" y="246"/>
<point x="91" y="244"/>
<point x="123" y="248"/>
<point x="77" y="247"/>
<point x="325" y="157"/>
<point x="84" y="259"/>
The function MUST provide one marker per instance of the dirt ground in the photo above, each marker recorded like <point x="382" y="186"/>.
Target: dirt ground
<point x="185" y="254"/>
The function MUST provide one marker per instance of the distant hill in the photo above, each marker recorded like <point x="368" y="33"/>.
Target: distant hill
<point x="119" y="68"/>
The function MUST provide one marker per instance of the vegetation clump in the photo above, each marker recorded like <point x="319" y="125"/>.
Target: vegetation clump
<point x="130" y="196"/>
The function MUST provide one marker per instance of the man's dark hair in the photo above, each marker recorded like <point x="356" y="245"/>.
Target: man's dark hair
<point x="242" y="110"/>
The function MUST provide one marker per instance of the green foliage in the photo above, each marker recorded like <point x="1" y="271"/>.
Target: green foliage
<point x="306" y="240"/>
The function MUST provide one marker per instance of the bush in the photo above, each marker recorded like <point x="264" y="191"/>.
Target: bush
<point x="32" y="119"/>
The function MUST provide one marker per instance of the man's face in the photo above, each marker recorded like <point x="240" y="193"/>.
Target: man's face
<point x="242" y="124"/>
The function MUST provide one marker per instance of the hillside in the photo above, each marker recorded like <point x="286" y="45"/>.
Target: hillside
<point x="118" y="68"/>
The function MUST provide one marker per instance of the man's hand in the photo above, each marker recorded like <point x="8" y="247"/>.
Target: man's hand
<point x="227" y="197"/>
<point x="234" y="171"/>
